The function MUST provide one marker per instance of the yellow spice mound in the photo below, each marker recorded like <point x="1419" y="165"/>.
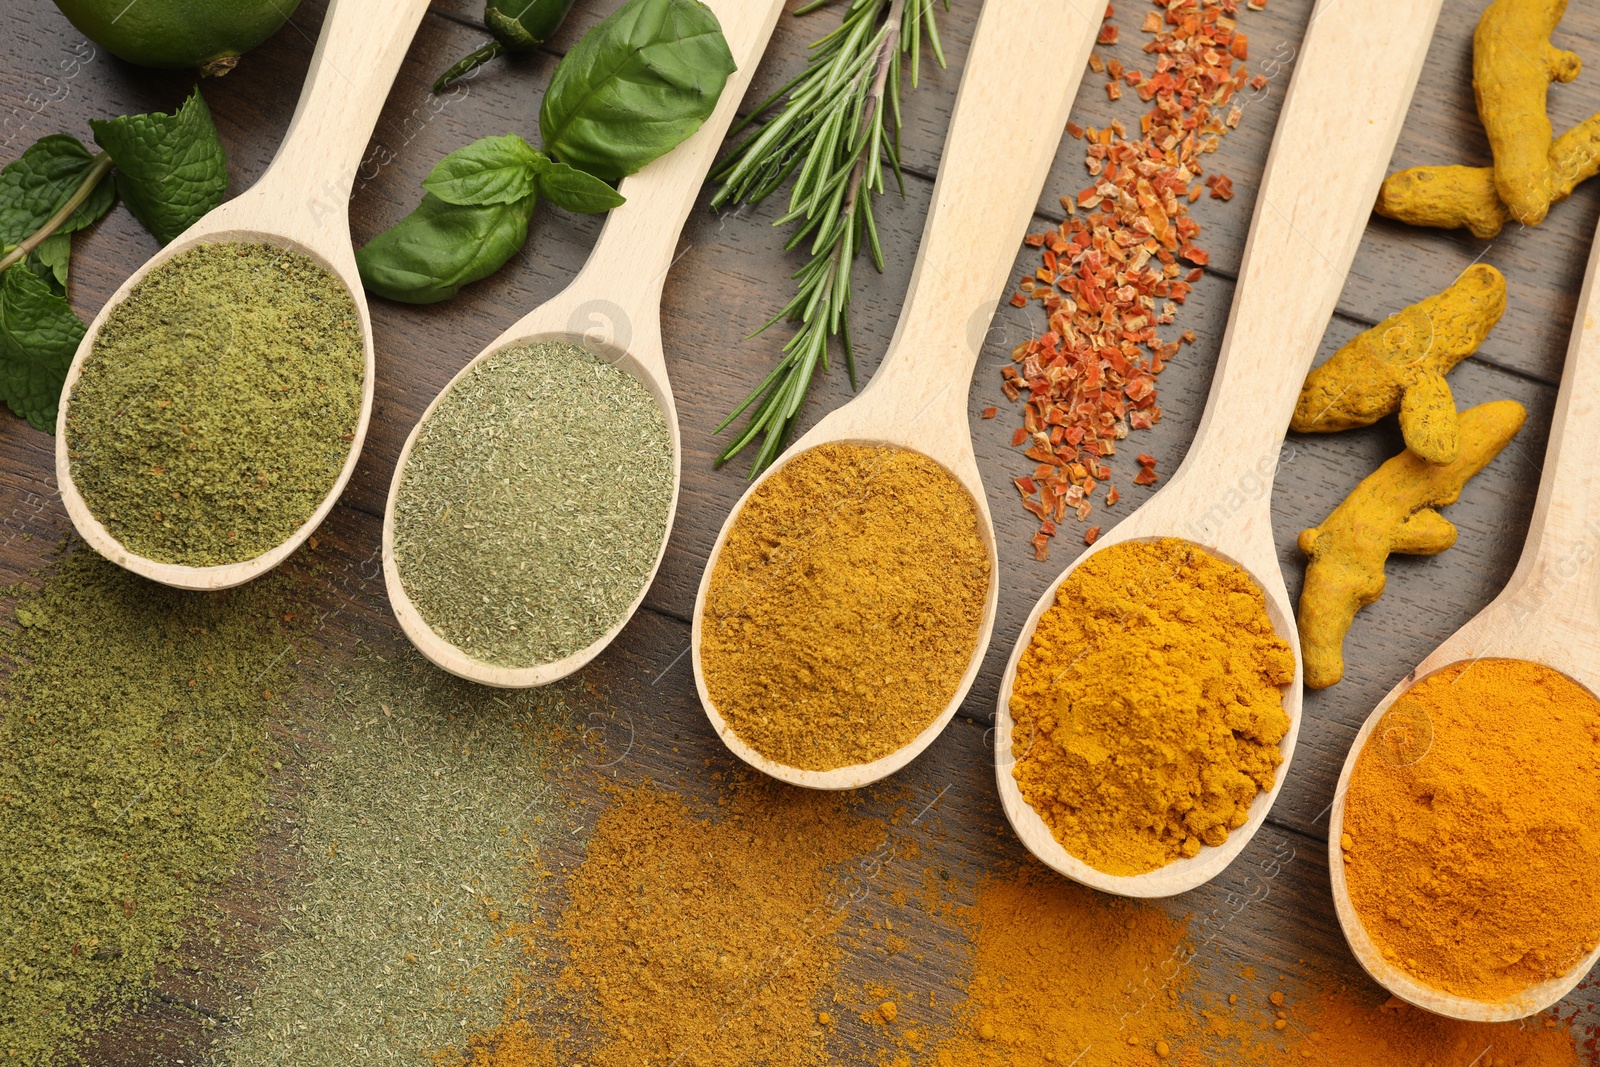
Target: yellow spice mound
<point x="1148" y="707"/>
<point x="845" y="606"/>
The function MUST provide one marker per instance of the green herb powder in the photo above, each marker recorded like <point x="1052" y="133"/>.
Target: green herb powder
<point x="218" y="405"/>
<point x="424" y="799"/>
<point x="534" y="504"/>
<point x="133" y="759"/>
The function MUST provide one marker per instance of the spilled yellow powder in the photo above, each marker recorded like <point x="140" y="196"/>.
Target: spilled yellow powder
<point x="1148" y="706"/>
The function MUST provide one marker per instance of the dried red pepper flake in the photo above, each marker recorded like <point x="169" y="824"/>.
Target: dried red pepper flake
<point x="1108" y="35"/>
<point x="1146" y="459"/>
<point x="1091" y="535"/>
<point x="990" y="412"/>
<point x="1110" y="272"/>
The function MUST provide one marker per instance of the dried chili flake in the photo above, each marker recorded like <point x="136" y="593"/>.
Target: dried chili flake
<point x="1108" y="35"/>
<point x="990" y="413"/>
<point x="1111" y="272"/>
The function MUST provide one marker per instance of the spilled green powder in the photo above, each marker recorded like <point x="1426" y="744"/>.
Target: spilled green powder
<point x="218" y="405"/>
<point x="534" y="504"/>
<point x="133" y="759"/>
<point x="424" y="799"/>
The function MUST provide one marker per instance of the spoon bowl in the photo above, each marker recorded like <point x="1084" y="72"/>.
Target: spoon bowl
<point x="299" y="204"/>
<point x="1548" y="613"/>
<point x="1003" y="136"/>
<point x="1342" y="114"/>
<point x="607" y="311"/>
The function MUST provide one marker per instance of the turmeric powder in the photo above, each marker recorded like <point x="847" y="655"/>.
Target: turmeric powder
<point x="844" y="609"/>
<point x="1390" y="511"/>
<point x="1064" y="975"/>
<point x="1471" y="863"/>
<point x="1456" y="196"/>
<point x="1360" y="1026"/>
<point x="1513" y="64"/>
<point x="1400" y="364"/>
<point x="1148" y="706"/>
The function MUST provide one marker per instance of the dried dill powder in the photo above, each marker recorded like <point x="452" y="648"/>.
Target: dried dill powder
<point x="218" y="405"/>
<point x="534" y="504"/>
<point x="844" y="607"/>
<point x="423" y="797"/>
<point x="133" y="759"/>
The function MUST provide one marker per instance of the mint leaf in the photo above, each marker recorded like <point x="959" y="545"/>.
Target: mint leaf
<point x="49" y="260"/>
<point x="35" y="185"/>
<point x="432" y="252"/>
<point x="171" y="169"/>
<point x="494" y="170"/>
<point x="39" y="335"/>
<point x="570" y="188"/>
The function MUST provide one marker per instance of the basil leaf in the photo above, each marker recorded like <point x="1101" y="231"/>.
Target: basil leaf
<point x="572" y="189"/>
<point x="495" y="170"/>
<point x="171" y="169"/>
<point x="38" y="336"/>
<point x="35" y="185"/>
<point x="635" y="86"/>
<point x="432" y="252"/>
<point x="50" y="259"/>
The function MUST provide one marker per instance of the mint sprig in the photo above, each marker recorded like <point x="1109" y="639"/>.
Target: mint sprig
<point x="169" y="169"/>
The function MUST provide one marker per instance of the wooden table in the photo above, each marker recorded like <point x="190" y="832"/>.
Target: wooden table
<point x="1272" y="908"/>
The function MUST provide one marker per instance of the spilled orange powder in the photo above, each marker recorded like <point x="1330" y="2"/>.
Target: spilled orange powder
<point x="1064" y="975"/>
<point x="691" y="938"/>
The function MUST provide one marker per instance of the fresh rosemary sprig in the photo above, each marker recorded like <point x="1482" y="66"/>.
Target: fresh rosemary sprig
<point x="833" y="134"/>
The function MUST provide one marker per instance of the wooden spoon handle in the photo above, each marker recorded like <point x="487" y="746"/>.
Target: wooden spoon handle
<point x="637" y="246"/>
<point x="358" y="55"/>
<point x="1560" y="563"/>
<point x="1347" y="100"/>
<point x="1017" y="87"/>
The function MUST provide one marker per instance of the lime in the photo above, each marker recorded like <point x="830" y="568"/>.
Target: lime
<point x="209" y="34"/>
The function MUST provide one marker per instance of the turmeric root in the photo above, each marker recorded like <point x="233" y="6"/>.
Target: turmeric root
<point x="1400" y="364"/>
<point x="1513" y="64"/>
<point x="1390" y="511"/>
<point x="1455" y="197"/>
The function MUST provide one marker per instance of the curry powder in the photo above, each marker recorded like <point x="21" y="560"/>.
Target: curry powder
<point x="844" y="609"/>
<point x="1148" y="706"/>
<point x="1472" y="823"/>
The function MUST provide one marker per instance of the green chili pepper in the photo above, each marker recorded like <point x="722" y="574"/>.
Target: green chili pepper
<point x="532" y="24"/>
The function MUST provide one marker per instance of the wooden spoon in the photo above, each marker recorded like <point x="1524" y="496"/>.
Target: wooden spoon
<point x="1354" y="76"/>
<point x="1548" y="613"/>
<point x="1003" y="136"/>
<point x="613" y="306"/>
<point x="299" y="203"/>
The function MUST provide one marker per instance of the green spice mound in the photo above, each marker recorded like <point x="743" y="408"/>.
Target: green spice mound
<point x="424" y="800"/>
<point x="218" y="405"/>
<point x="133" y="752"/>
<point x="534" y="504"/>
